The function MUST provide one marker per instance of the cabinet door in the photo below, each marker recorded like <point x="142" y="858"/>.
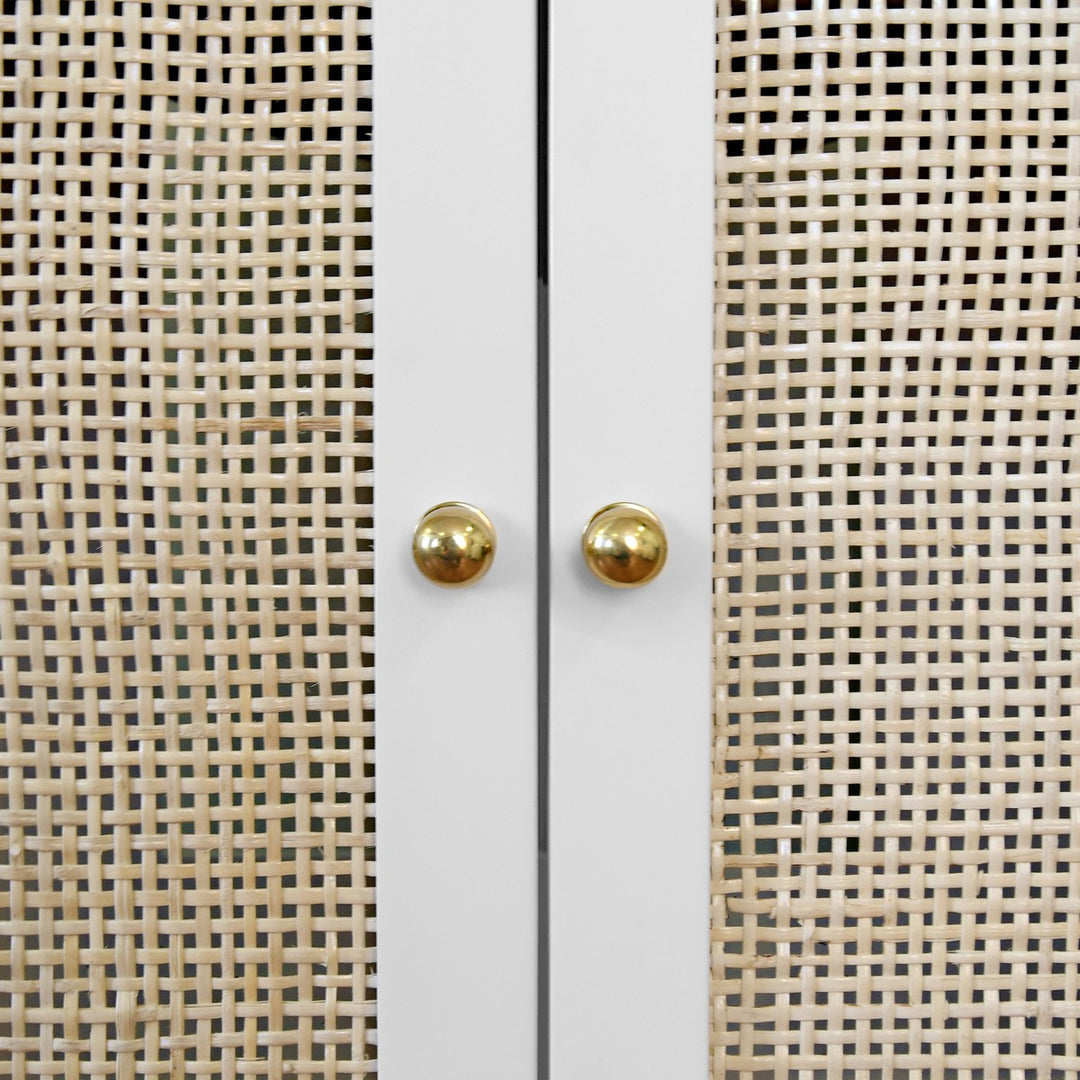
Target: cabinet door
<point x="894" y="779"/>
<point x="197" y="879"/>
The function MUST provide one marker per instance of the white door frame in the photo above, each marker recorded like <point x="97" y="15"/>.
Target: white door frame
<point x="632" y="190"/>
<point x="631" y="213"/>
<point x="455" y="361"/>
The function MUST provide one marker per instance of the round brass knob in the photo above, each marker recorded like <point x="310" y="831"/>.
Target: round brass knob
<point x="454" y="544"/>
<point x="625" y="545"/>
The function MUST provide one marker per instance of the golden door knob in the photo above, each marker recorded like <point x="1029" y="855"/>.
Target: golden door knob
<point x="625" y="545"/>
<point x="454" y="544"/>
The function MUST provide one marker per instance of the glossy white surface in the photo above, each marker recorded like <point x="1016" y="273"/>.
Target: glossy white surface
<point x="454" y="413"/>
<point x="631" y="406"/>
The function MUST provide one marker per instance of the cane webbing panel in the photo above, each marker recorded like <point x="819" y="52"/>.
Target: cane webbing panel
<point x="185" y="540"/>
<point x="897" y="793"/>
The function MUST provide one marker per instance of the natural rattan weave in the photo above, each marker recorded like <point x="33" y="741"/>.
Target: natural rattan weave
<point x="897" y="790"/>
<point x="185" y="540"/>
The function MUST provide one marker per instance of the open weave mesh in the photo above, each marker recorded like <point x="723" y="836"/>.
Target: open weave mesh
<point x="185" y="540"/>
<point x="897" y="790"/>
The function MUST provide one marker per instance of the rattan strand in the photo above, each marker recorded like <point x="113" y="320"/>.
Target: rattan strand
<point x="185" y="540"/>
<point x="897" y="798"/>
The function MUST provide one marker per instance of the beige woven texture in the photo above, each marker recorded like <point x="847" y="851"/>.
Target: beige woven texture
<point x="185" y="541"/>
<point x="897" y="792"/>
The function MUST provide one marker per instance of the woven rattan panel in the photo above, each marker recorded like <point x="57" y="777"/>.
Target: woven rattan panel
<point x="185" y="540"/>
<point x="897" y="791"/>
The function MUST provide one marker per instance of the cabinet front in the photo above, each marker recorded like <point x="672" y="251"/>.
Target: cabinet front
<point x="795" y="280"/>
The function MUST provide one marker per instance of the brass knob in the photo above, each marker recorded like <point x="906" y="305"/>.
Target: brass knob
<point x="624" y="545"/>
<point x="454" y="544"/>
